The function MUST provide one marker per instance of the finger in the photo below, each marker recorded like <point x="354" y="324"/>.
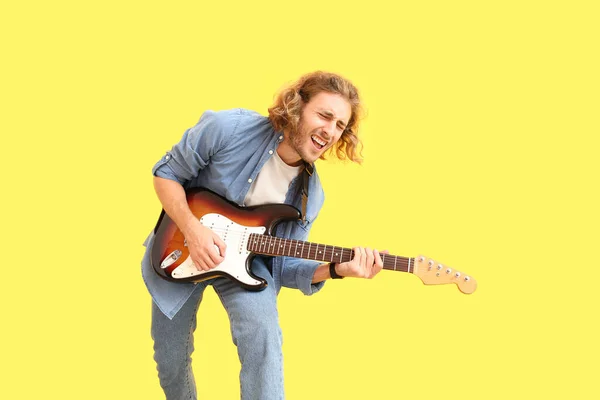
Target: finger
<point x="200" y="264"/>
<point x="357" y="255"/>
<point x="214" y="256"/>
<point x="363" y="262"/>
<point x="369" y="262"/>
<point x="378" y="259"/>
<point x="378" y="263"/>
<point x="221" y="245"/>
<point x="207" y="260"/>
<point x="370" y="257"/>
<point x="356" y="262"/>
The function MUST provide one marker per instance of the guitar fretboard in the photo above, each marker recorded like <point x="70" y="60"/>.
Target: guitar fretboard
<point x="274" y="246"/>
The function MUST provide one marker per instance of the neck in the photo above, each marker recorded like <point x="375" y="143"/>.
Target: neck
<point x="275" y="246"/>
<point x="287" y="153"/>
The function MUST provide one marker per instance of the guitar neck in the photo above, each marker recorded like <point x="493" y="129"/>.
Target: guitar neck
<point x="274" y="246"/>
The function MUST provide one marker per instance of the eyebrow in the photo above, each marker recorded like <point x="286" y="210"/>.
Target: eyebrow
<point x="332" y="115"/>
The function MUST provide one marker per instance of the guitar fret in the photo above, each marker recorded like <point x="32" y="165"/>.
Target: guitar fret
<point x="277" y="246"/>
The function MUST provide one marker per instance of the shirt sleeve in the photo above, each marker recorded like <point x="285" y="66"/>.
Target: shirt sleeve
<point x="298" y="273"/>
<point x="193" y="152"/>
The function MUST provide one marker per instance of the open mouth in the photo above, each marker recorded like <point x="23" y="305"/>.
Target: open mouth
<point x="317" y="142"/>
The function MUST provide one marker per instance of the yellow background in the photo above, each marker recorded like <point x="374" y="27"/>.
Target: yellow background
<point x="481" y="152"/>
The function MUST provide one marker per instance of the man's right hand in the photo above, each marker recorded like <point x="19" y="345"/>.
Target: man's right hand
<point x="201" y="242"/>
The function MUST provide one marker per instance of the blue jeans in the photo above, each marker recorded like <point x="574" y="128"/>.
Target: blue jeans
<point x="255" y="330"/>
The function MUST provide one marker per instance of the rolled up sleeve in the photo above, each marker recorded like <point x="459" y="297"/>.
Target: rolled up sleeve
<point x="298" y="274"/>
<point x="193" y="152"/>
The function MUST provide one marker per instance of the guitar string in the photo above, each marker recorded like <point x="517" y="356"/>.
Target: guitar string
<point x="240" y="233"/>
<point x="328" y="252"/>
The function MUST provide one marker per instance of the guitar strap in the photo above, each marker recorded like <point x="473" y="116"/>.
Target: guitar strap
<point x="307" y="173"/>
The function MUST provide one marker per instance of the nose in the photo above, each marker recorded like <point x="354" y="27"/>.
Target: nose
<point x="329" y="129"/>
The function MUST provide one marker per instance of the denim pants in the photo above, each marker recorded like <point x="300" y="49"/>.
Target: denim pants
<point x="255" y="330"/>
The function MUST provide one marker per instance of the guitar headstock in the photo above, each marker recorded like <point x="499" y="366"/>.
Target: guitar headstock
<point x="432" y="272"/>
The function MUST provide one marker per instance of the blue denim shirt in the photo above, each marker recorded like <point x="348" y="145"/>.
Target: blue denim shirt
<point x="224" y="152"/>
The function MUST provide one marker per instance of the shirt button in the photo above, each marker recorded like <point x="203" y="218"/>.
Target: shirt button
<point x="167" y="157"/>
<point x="250" y="180"/>
<point x="270" y="151"/>
<point x="281" y="137"/>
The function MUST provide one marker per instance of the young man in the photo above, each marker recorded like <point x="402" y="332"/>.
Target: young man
<point x="250" y="159"/>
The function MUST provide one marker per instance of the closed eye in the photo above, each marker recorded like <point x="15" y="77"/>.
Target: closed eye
<point x="340" y="125"/>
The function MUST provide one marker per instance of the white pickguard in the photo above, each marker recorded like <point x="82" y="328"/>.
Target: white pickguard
<point x="235" y="237"/>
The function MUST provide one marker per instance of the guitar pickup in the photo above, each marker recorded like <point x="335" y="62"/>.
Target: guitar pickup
<point x="170" y="259"/>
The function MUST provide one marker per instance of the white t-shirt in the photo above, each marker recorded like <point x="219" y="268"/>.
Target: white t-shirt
<point x="271" y="184"/>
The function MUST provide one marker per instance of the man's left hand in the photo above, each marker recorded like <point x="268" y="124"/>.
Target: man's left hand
<point x="365" y="264"/>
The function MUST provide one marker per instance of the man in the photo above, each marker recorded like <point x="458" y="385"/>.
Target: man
<point x="250" y="159"/>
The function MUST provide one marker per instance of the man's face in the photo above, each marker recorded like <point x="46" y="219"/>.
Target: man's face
<point x="322" y="122"/>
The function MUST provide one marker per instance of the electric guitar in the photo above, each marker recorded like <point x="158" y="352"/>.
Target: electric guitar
<point x="248" y="231"/>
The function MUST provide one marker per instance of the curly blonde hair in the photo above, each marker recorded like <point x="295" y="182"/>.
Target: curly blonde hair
<point x="285" y="113"/>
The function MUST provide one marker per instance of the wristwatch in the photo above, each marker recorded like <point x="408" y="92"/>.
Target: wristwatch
<point x="332" y="272"/>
